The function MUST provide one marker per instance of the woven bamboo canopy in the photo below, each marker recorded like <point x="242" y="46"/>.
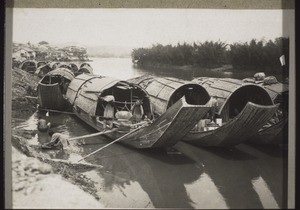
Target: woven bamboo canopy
<point x="233" y="94"/>
<point x="164" y="92"/>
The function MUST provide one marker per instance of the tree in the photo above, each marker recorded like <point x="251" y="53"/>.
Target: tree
<point x="43" y="43"/>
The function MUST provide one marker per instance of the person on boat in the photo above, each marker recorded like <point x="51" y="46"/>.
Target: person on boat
<point x="137" y="111"/>
<point x="213" y="103"/>
<point x="42" y="125"/>
<point x="57" y="140"/>
<point x="109" y="110"/>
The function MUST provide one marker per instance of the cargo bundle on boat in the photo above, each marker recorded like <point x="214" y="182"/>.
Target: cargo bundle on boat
<point x="276" y="130"/>
<point x="242" y="110"/>
<point x="52" y="88"/>
<point x="123" y="110"/>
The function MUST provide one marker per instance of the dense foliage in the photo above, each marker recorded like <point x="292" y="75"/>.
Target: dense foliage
<point x="255" y="54"/>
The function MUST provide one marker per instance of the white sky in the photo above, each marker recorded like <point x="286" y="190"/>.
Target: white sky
<point x="144" y="27"/>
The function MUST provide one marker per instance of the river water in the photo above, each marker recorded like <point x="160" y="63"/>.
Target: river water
<point x="247" y="176"/>
<point x="123" y="68"/>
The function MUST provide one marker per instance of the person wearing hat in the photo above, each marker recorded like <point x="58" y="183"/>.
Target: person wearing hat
<point x="137" y="111"/>
<point x="109" y="110"/>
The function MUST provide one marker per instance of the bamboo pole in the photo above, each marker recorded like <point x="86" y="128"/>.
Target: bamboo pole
<point x="52" y="110"/>
<point x="118" y="139"/>
<point x="91" y="135"/>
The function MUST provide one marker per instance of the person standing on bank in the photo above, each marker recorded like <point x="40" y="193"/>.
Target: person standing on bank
<point x="213" y="103"/>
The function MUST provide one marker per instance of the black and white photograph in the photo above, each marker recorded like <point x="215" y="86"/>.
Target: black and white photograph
<point x="150" y="108"/>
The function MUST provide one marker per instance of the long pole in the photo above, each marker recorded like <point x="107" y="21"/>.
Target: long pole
<point x="52" y="110"/>
<point x="91" y="135"/>
<point x="118" y="139"/>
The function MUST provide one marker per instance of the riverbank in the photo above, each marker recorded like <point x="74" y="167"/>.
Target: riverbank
<point x="37" y="181"/>
<point x="184" y="67"/>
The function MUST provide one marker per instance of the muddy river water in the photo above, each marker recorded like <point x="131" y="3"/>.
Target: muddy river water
<point x="246" y="176"/>
<point x="193" y="177"/>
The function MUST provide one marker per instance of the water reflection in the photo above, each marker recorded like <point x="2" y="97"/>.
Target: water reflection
<point x="235" y="173"/>
<point x="160" y="175"/>
<point x="244" y="177"/>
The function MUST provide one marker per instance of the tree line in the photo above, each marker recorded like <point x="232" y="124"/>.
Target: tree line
<point x="254" y="54"/>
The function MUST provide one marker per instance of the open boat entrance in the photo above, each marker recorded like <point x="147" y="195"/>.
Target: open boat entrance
<point x="52" y="88"/>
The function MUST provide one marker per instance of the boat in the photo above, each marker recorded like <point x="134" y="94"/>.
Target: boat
<point x="42" y="70"/>
<point x="74" y="67"/>
<point x="84" y="68"/>
<point x="89" y="95"/>
<point x="64" y="65"/>
<point x="276" y="130"/>
<point x="52" y="88"/>
<point x="243" y="110"/>
<point x="29" y="66"/>
<point x="53" y="65"/>
<point x="165" y="91"/>
<point x="254" y="110"/>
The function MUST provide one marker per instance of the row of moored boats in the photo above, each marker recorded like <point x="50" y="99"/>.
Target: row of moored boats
<point x="149" y="111"/>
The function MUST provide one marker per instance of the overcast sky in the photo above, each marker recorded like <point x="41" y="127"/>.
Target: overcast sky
<point x="143" y="27"/>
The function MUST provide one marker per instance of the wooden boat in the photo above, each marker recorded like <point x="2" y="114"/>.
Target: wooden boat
<point x="88" y="96"/>
<point x="164" y="92"/>
<point x="43" y="70"/>
<point x="52" y="88"/>
<point x="29" y="65"/>
<point x="243" y="108"/>
<point x="84" y="64"/>
<point x="74" y="67"/>
<point x="86" y="68"/>
<point x="276" y="130"/>
<point x="53" y="65"/>
<point x="231" y="95"/>
<point x="41" y="63"/>
<point x="64" y="65"/>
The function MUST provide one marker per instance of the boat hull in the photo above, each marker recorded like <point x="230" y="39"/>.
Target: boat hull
<point x="236" y="130"/>
<point x="165" y="131"/>
<point x="275" y="134"/>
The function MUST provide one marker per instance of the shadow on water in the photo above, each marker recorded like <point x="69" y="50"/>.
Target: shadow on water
<point x="160" y="175"/>
<point x="243" y="182"/>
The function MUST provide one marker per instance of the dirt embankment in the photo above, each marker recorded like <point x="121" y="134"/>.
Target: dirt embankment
<point x="39" y="182"/>
<point x="23" y="85"/>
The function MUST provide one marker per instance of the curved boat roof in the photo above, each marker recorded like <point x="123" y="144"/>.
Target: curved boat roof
<point x="84" y="64"/>
<point x="226" y="88"/>
<point x="62" y="72"/>
<point x="85" y="89"/>
<point x="85" y="69"/>
<point x="28" y="61"/>
<point x="163" y="90"/>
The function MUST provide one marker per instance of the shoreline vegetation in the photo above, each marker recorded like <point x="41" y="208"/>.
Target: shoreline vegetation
<point x="263" y="55"/>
